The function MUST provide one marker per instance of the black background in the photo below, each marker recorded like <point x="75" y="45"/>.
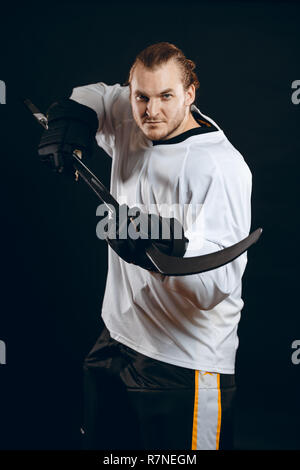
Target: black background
<point x="52" y="264"/>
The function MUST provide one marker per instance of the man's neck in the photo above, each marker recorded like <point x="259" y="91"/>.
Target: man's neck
<point x="191" y="123"/>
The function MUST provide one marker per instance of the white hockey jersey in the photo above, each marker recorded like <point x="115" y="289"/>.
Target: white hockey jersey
<point x="189" y="321"/>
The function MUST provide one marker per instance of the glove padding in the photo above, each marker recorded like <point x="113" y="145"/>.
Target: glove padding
<point x="71" y="126"/>
<point x="130" y="236"/>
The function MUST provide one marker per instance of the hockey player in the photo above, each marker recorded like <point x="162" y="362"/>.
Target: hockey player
<point x="161" y="375"/>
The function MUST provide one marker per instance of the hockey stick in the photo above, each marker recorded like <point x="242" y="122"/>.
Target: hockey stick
<point x="170" y="265"/>
<point x="167" y="265"/>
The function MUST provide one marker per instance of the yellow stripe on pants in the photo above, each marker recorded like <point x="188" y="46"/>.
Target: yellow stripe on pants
<point x="207" y="411"/>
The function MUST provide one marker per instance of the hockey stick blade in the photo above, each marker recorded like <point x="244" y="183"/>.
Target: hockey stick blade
<point x="176" y="266"/>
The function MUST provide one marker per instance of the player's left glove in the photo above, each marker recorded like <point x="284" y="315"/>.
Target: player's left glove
<point x="133" y="231"/>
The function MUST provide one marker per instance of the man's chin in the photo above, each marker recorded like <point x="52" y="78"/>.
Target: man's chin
<point x="155" y="135"/>
<point x="156" y="138"/>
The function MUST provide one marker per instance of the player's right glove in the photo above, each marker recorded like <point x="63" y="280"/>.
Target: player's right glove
<point x="71" y="126"/>
<point x="133" y="231"/>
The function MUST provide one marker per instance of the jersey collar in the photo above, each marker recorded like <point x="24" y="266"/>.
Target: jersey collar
<point x="206" y="126"/>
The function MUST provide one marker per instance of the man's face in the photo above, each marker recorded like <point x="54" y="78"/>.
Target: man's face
<point x="160" y="105"/>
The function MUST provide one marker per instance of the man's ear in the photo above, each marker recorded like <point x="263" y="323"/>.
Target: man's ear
<point x="190" y="95"/>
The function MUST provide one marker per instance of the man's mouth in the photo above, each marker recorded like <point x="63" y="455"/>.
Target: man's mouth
<point x="153" y="122"/>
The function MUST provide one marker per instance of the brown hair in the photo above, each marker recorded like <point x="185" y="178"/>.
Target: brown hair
<point x="162" y="52"/>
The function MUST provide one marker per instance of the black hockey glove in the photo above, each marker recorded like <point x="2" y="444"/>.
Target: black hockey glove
<point x="132" y="231"/>
<point x="70" y="126"/>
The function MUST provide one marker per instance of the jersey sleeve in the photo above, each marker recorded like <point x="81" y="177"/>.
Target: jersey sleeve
<point x="112" y="105"/>
<point x="222" y="185"/>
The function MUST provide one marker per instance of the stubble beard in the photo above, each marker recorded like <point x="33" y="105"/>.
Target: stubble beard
<point x="155" y="134"/>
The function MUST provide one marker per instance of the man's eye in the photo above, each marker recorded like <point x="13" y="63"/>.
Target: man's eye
<point x="167" y="96"/>
<point x="141" y="98"/>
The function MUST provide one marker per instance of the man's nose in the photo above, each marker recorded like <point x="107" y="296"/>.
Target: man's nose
<point x="153" y="107"/>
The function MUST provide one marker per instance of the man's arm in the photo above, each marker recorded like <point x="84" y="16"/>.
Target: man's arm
<point x="206" y="290"/>
<point x="111" y="104"/>
<point x="222" y="183"/>
<point x="75" y="123"/>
